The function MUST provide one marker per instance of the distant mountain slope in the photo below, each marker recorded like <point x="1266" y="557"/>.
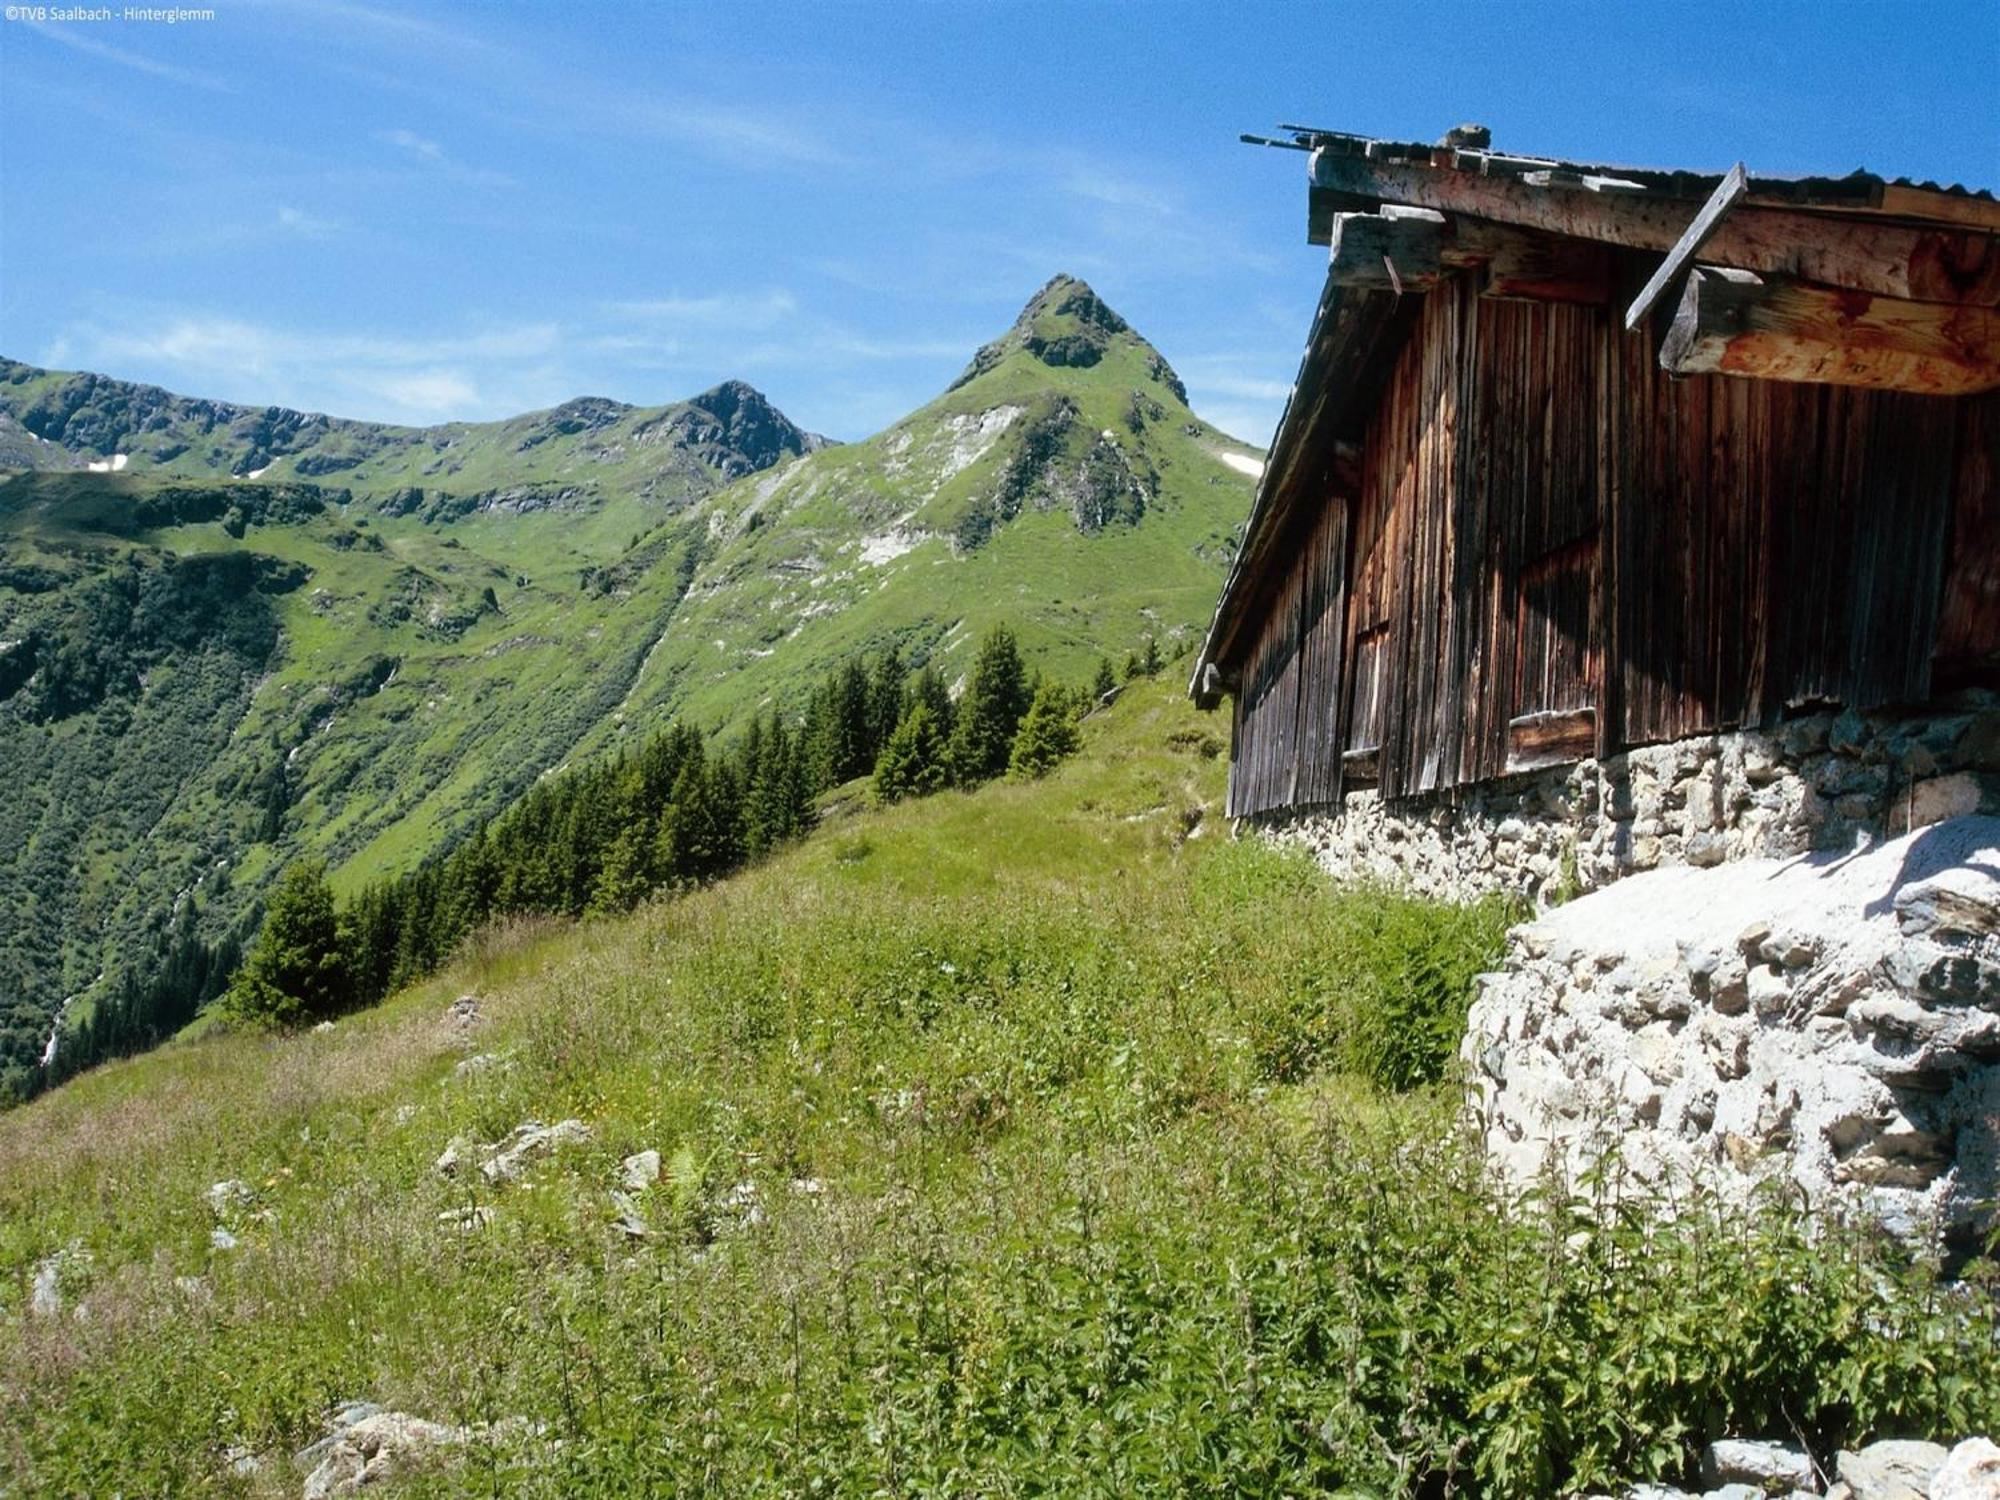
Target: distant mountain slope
<point x="202" y="679"/>
<point x="589" y="459"/>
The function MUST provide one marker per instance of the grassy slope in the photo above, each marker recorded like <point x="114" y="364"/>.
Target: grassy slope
<point x="578" y="655"/>
<point x="481" y="699"/>
<point x="1038" y="1212"/>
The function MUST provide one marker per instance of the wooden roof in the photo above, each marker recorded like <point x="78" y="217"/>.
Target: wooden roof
<point x="1905" y="244"/>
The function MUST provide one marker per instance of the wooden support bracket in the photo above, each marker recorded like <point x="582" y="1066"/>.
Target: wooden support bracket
<point x="1728" y="193"/>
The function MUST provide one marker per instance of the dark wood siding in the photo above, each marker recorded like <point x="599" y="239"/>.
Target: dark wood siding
<point x="1557" y="549"/>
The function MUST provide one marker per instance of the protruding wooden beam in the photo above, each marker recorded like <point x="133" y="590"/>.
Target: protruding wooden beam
<point x="1528" y="267"/>
<point x="1736" y="323"/>
<point x="1385" y="252"/>
<point x="1847" y="250"/>
<point x="1728" y="193"/>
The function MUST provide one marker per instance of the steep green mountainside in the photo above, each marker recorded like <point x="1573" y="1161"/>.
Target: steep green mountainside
<point x="590" y="472"/>
<point x="1061" y="485"/>
<point x="1022" y="1142"/>
<point x="204" y="678"/>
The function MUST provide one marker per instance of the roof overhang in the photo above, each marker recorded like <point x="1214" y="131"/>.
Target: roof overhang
<point x="1775" y="296"/>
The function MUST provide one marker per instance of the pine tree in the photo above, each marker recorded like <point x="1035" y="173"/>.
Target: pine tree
<point x="1104" y="682"/>
<point x="930" y="690"/>
<point x="1132" y="668"/>
<point x="697" y="840"/>
<point x="887" y="698"/>
<point x="912" y="764"/>
<point x="297" y="971"/>
<point x="625" y="875"/>
<point x="1151" y="665"/>
<point x="1048" y="734"/>
<point x="996" y="696"/>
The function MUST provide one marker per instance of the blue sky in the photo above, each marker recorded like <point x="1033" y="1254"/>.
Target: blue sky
<point x="433" y="211"/>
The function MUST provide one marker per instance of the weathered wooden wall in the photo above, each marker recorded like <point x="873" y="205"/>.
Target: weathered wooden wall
<point x="1555" y="549"/>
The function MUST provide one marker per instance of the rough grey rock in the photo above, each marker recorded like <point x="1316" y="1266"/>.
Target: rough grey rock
<point x="1823" y="782"/>
<point x="369" y="1448"/>
<point x="639" y="1171"/>
<point x="530" y="1139"/>
<point x="1971" y="1471"/>
<point x="1764" y="1465"/>
<point x="1897" y="1469"/>
<point x="229" y="1197"/>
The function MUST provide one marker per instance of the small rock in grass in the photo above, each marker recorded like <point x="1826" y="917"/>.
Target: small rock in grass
<point x="640" y="1171"/>
<point x="531" y="1138"/>
<point x="227" y="1196"/>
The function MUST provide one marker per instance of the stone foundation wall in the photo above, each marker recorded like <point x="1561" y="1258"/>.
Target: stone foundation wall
<point x="1822" y="781"/>
<point x="1830" y="1024"/>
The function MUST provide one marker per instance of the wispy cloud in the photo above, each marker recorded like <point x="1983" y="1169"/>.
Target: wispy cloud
<point x="75" y="36"/>
<point x="483" y="373"/>
<point x="410" y="141"/>
<point x="432" y="156"/>
<point x="296" y="221"/>
<point x="722" y="310"/>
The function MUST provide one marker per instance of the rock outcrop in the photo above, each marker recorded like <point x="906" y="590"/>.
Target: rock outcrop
<point x="1828" y="1022"/>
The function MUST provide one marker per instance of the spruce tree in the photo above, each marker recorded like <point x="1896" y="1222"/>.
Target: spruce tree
<point x="1132" y="667"/>
<point x="1048" y="734"/>
<point x="1105" y="681"/>
<point x="996" y="696"/>
<point x="887" y="698"/>
<point x="1151" y="665"/>
<point x="930" y="690"/>
<point x="298" y="970"/>
<point x="912" y="764"/>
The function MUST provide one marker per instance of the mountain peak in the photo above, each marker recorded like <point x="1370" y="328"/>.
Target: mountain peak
<point x="741" y="419"/>
<point x="1066" y="324"/>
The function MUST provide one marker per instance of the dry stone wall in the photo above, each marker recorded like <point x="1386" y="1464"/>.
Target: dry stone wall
<point x="1820" y="781"/>
<point x="1762" y="959"/>
<point x="1827" y="1024"/>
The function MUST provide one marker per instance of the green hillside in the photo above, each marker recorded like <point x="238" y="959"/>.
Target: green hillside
<point x="410" y="639"/>
<point x="578" y="479"/>
<point x="1024" y="1142"/>
<point x="1061" y="485"/>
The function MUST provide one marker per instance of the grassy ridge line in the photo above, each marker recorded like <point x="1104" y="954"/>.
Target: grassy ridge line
<point x="1002" y="1158"/>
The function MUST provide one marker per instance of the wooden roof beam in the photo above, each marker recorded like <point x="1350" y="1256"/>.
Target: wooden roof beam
<point x="1388" y="252"/>
<point x="1410" y="250"/>
<point x="1732" y="322"/>
<point x="1891" y="260"/>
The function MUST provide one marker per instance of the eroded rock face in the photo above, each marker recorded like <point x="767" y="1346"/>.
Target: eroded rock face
<point x="1830" y="1022"/>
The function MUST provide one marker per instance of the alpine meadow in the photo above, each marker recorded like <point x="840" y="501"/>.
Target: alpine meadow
<point x="913" y="904"/>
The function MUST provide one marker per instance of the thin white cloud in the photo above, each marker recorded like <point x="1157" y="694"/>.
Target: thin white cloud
<point x="296" y="221"/>
<point x="410" y="141"/>
<point x="751" y="310"/>
<point x="432" y="156"/>
<point x="74" y="35"/>
<point x="491" y="372"/>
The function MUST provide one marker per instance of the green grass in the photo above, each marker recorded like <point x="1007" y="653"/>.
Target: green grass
<point x="1084" y="1223"/>
<point x="589" y="644"/>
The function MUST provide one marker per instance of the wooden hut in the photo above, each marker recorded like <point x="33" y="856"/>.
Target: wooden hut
<point x="1582" y="458"/>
